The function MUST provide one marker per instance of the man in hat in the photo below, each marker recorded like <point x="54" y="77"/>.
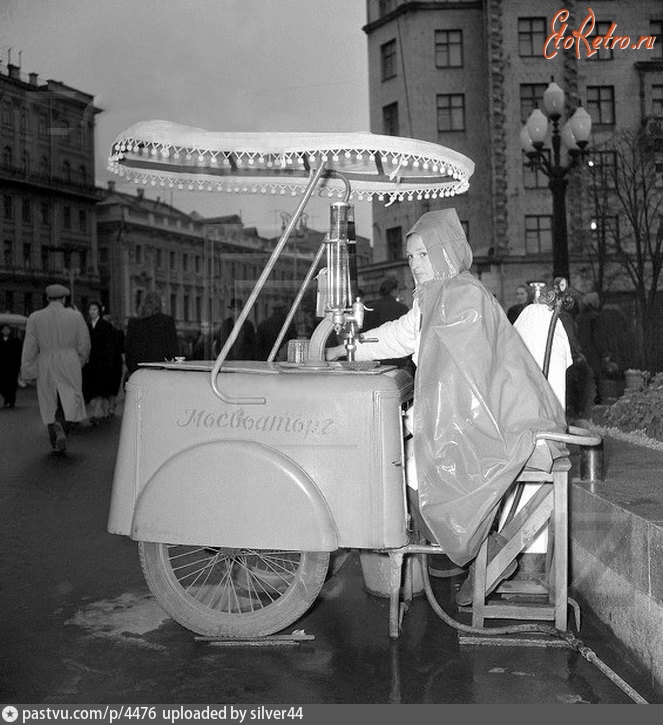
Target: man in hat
<point x="244" y="347"/>
<point x="55" y="348"/>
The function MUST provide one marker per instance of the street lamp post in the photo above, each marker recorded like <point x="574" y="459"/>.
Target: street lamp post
<point x="575" y="136"/>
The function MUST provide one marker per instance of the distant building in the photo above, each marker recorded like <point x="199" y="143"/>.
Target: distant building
<point x="47" y="189"/>
<point x="466" y="74"/>
<point x="196" y="264"/>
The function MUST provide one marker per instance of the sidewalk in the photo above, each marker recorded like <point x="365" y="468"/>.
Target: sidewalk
<point x="616" y="549"/>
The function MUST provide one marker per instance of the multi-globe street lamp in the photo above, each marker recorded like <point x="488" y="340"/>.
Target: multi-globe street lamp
<point x="575" y="136"/>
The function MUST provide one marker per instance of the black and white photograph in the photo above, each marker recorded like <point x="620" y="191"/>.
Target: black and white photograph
<point x="331" y="358"/>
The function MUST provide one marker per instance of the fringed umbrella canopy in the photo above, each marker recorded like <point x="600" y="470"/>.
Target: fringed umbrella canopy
<point x="390" y="168"/>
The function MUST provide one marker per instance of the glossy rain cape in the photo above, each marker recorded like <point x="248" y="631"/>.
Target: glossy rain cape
<point x="480" y="397"/>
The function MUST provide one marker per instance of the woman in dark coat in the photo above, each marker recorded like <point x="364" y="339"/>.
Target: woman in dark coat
<point x="98" y="370"/>
<point x="152" y="336"/>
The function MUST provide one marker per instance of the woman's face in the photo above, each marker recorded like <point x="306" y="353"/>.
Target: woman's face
<point x="418" y="259"/>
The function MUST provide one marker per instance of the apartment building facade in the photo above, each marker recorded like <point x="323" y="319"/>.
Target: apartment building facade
<point x="47" y="189"/>
<point x="466" y="74"/>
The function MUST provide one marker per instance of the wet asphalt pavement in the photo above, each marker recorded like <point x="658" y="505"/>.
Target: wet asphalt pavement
<point x="80" y="626"/>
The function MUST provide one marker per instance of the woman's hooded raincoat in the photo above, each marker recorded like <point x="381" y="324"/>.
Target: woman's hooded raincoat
<point x="479" y="396"/>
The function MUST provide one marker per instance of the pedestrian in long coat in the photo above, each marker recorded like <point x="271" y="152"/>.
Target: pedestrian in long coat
<point x="55" y="348"/>
<point x="98" y="371"/>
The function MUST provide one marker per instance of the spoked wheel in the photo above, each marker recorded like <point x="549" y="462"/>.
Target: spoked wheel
<point x="222" y="592"/>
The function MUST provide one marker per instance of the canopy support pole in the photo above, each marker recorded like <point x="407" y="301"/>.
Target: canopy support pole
<point x="312" y="183"/>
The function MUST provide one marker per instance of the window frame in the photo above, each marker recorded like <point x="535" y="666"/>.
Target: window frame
<point x="599" y="107"/>
<point x="450" y="46"/>
<point x="452" y="111"/>
<point x="536" y="234"/>
<point x="392" y="129"/>
<point x="529" y="35"/>
<point x="388" y="52"/>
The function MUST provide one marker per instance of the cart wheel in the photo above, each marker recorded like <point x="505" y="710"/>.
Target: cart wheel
<point x="222" y="592"/>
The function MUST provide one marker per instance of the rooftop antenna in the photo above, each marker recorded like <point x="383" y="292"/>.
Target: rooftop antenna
<point x="9" y="56"/>
<point x="20" y="52"/>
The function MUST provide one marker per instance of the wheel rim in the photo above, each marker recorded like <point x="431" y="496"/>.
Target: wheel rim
<point x="233" y="581"/>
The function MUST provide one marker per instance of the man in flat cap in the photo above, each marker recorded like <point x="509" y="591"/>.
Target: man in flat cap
<point x="55" y="348"/>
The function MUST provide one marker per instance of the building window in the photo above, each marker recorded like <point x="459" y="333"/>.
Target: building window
<point x="173" y="305"/>
<point x="25" y="163"/>
<point x="138" y="300"/>
<point x="390" y="125"/>
<point x="199" y="308"/>
<point x="27" y="256"/>
<point x="388" y="60"/>
<point x="66" y="172"/>
<point x="45" y="260"/>
<point x="26" y="210"/>
<point x="159" y="261"/>
<point x="7" y="115"/>
<point x="198" y="265"/>
<point x="657" y="101"/>
<point x="448" y="48"/>
<point x="7" y="158"/>
<point x="532" y="35"/>
<point x="601" y="104"/>
<point x="139" y="254"/>
<point x="604" y="166"/>
<point x="533" y="177"/>
<point x="43" y="166"/>
<point x="83" y="172"/>
<point x="82" y="261"/>
<point x="43" y="207"/>
<point x="67" y="217"/>
<point x="103" y="255"/>
<point x="82" y="220"/>
<point x="450" y="112"/>
<point x="185" y="262"/>
<point x="8" y="252"/>
<point x="7" y="206"/>
<point x="173" y="260"/>
<point x="538" y="234"/>
<point x="395" y="244"/>
<point x="185" y="306"/>
<point x="602" y="53"/>
<point x="531" y="97"/>
<point x="656" y="29"/>
<point x="41" y="125"/>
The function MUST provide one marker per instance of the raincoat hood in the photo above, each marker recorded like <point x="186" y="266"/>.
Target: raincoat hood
<point x="445" y="241"/>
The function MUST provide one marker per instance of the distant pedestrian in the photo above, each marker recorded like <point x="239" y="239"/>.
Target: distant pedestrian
<point x="10" y="366"/>
<point x="522" y="300"/>
<point x="268" y="331"/>
<point x="55" y="348"/>
<point x="152" y="336"/>
<point x="244" y="347"/>
<point x="117" y="365"/>
<point x="98" y="370"/>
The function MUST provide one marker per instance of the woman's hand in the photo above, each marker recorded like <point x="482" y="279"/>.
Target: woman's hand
<point x="333" y="353"/>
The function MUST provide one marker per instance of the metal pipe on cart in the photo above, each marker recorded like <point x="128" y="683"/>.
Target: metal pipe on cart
<point x="295" y="304"/>
<point x="312" y="183"/>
